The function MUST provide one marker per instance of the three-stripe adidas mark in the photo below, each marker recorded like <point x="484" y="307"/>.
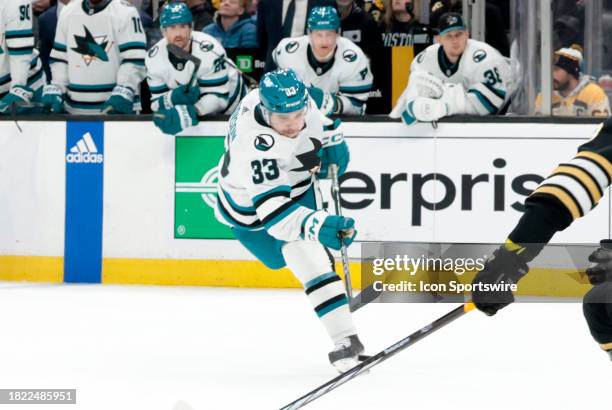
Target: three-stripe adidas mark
<point x="85" y="151"/>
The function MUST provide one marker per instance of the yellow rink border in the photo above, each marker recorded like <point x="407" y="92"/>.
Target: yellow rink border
<point x="227" y="273"/>
<point x="245" y="274"/>
<point x="49" y="269"/>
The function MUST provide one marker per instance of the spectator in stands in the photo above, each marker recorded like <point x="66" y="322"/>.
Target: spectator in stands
<point x="202" y="12"/>
<point x="278" y="19"/>
<point x="48" y="24"/>
<point x="495" y="34"/>
<point x="233" y="26"/>
<point x="359" y="27"/>
<point x="574" y="94"/>
<point x="401" y="22"/>
<point x="375" y="8"/>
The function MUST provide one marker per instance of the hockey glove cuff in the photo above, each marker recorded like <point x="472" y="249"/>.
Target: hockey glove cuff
<point x="182" y="95"/>
<point x="335" y="154"/>
<point x="330" y="230"/>
<point x="121" y="101"/>
<point x="17" y="95"/>
<point x="53" y="98"/>
<point x="504" y="267"/>
<point x="176" y="119"/>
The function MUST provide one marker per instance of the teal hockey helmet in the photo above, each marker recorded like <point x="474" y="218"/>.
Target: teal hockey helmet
<point x="175" y="13"/>
<point x="282" y="92"/>
<point x="323" y="18"/>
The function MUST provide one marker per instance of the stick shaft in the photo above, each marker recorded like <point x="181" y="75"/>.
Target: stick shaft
<point x="333" y="169"/>
<point x="381" y="356"/>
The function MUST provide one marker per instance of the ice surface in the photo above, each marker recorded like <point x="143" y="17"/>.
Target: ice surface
<point x="182" y="348"/>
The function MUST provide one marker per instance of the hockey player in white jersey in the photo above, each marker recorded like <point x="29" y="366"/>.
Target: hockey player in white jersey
<point x="177" y="102"/>
<point x="335" y="69"/>
<point x="266" y="194"/>
<point x="457" y="76"/>
<point x="21" y="75"/>
<point x="97" y="60"/>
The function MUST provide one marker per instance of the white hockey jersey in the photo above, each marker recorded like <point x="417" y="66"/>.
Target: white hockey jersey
<point x="262" y="173"/>
<point x="483" y="73"/>
<point x="347" y="74"/>
<point x="95" y="50"/>
<point x="221" y="85"/>
<point x="19" y="62"/>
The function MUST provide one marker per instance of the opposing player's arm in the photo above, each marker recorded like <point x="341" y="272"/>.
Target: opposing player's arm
<point x="213" y="81"/>
<point x="355" y="86"/>
<point x="19" y="40"/>
<point x="132" y="48"/>
<point x="570" y="192"/>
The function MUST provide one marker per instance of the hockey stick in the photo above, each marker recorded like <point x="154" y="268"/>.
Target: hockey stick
<point x="333" y="170"/>
<point x="251" y="82"/>
<point x="368" y="294"/>
<point x="184" y="55"/>
<point x="380" y="357"/>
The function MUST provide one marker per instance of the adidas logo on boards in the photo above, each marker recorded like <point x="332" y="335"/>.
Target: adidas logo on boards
<point x="85" y="151"/>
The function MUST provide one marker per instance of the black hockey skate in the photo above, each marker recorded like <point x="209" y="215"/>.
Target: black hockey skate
<point x="346" y="353"/>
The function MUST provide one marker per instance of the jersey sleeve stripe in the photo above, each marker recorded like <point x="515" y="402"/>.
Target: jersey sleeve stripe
<point x="566" y="198"/>
<point x="283" y="190"/>
<point x="19" y="33"/>
<point x="158" y="89"/>
<point x="59" y="46"/>
<point x="358" y="89"/>
<point x="5" y="80"/>
<point x="594" y="170"/>
<point x="214" y="82"/>
<point x="91" y="88"/>
<point x="233" y="221"/>
<point x="20" y="51"/>
<point x="599" y="160"/>
<point x="484" y="101"/>
<point x="135" y="61"/>
<point x="280" y="213"/>
<point x="132" y="46"/>
<point x="595" y="191"/>
<point x="501" y="94"/>
<point x="243" y="210"/>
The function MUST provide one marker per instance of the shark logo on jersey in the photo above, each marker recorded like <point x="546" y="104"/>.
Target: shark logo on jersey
<point x="349" y="56"/>
<point x="421" y="57"/>
<point x="310" y="159"/>
<point x="91" y="47"/>
<point x="264" y="142"/>
<point x="206" y="46"/>
<point x="479" y="55"/>
<point x="153" y="51"/>
<point x="292" y="47"/>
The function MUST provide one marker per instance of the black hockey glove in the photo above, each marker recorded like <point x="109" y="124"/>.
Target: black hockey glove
<point x="504" y="267"/>
<point x="600" y="270"/>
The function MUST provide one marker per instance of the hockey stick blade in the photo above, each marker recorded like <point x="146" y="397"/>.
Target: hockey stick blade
<point x="380" y="357"/>
<point x="184" y="55"/>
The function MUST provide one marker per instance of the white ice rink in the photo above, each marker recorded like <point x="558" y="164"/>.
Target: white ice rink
<point x="171" y="348"/>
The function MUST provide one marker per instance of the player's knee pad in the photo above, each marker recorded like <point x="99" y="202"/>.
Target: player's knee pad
<point x="306" y="259"/>
<point x="310" y="264"/>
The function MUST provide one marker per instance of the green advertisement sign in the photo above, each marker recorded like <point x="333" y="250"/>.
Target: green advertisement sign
<point x="196" y="177"/>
